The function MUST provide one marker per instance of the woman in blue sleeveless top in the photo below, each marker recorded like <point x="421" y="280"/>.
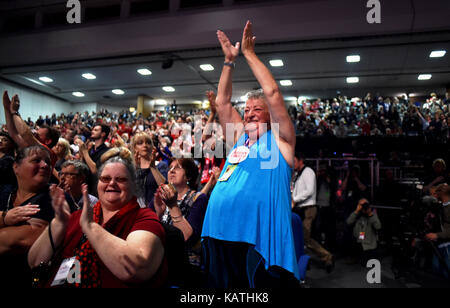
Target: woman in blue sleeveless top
<point x="247" y="232"/>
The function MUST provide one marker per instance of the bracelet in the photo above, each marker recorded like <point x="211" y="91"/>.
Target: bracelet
<point x="3" y="218"/>
<point x="16" y="113"/>
<point x="175" y="218"/>
<point x="230" y="64"/>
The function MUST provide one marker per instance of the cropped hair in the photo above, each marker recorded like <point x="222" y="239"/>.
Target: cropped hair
<point x="53" y="134"/>
<point x="256" y="94"/>
<point x="81" y="167"/>
<point x="25" y="152"/>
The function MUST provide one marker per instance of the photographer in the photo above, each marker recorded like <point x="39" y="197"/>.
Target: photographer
<point x="365" y="229"/>
<point x="442" y="256"/>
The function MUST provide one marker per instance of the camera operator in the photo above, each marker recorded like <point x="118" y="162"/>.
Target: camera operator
<point x="443" y="195"/>
<point x="366" y="225"/>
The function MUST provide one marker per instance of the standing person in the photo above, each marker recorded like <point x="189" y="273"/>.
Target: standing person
<point x="304" y="204"/>
<point x="99" y="134"/>
<point x="365" y="229"/>
<point x="149" y="176"/>
<point x="247" y="232"/>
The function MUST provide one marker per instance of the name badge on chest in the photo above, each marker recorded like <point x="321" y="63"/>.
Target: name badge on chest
<point x="70" y="271"/>
<point x="238" y="155"/>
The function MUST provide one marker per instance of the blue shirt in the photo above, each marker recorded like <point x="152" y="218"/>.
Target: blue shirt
<point x="254" y="205"/>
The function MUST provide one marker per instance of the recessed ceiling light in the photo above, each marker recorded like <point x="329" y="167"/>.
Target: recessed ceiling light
<point x="78" y="94"/>
<point x="118" y="92"/>
<point x="144" y="71"/>
<point x="169" y="89"/>
<point x="353" y="58"/>
<point x="286" y="83"/>
<point x="207" y="67"/>
<point x="352" y="79"/>
<point x="89" y="76"/>
<point x="161" y="102"/>
<point x="424" y="77"/>
<point x="276" y="62"/>
<point x="437" y="53"/>
<point x="45" y="79"/>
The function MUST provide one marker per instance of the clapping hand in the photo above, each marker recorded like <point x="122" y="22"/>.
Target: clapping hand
<point x="59" y="204"/>
<point x="212" y="100"/>
<point x="87" y="214"/>
<point x="230" y="52"/>
<point x="248" y="40"/>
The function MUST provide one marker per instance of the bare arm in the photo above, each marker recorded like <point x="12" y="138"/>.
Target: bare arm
<point x="42" y="251"/>
<point x="135" y="259"/>
<point x="18" y="239"/>
<point x="9" y="117"/>
<point x="275" y="101"/>
<point x="226" y="112"/>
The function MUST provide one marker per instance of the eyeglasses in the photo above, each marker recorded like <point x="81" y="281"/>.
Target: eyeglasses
<point x="71" y="174"/>
<point x="175" y="168"/>
<point x="107" y="179"/>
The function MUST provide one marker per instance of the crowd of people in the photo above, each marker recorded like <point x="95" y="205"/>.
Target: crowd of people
<point x="118" y="200"/>
<point x="374" y="116"/>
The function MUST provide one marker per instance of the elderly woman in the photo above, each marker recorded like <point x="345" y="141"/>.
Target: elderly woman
<point x="178" y="203"/>
<point x="149" y="176"/>
<point x="25" y="211"/>
<point x="116" y="243"/>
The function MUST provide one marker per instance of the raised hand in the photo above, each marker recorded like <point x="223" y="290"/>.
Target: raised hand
<point x="212" y="100"/>
<point x="87" y="214"/>
<point x="248" y="40"/>
<point x="21" y="214"/>
<point x="216" y="173"/>
<point x="168" y="195"/>
<point x="6" y="101"/>
<point x="59" y="204"/>
<point x="15" y="104"/>
<point x="230" y="52"/>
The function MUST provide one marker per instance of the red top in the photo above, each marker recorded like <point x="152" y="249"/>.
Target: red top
<point x="144" y="219"/>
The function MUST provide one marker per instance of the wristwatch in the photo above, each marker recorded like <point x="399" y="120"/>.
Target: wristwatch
<point x="230" y="64"/>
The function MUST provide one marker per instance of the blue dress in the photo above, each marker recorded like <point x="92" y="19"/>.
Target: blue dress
<point x="254" y="205"/>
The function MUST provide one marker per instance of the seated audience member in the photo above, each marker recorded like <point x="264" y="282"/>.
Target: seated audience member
<point x="117" y="243"/>
<point x="72" y="175"/>
<point x="7" y="149"/>
<point x="20" y="132"/>
<point x="366" y="225"/>
<point x="149" y="176"/>
<point x="25" y="212"/>
<point x="178" y="203"/>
